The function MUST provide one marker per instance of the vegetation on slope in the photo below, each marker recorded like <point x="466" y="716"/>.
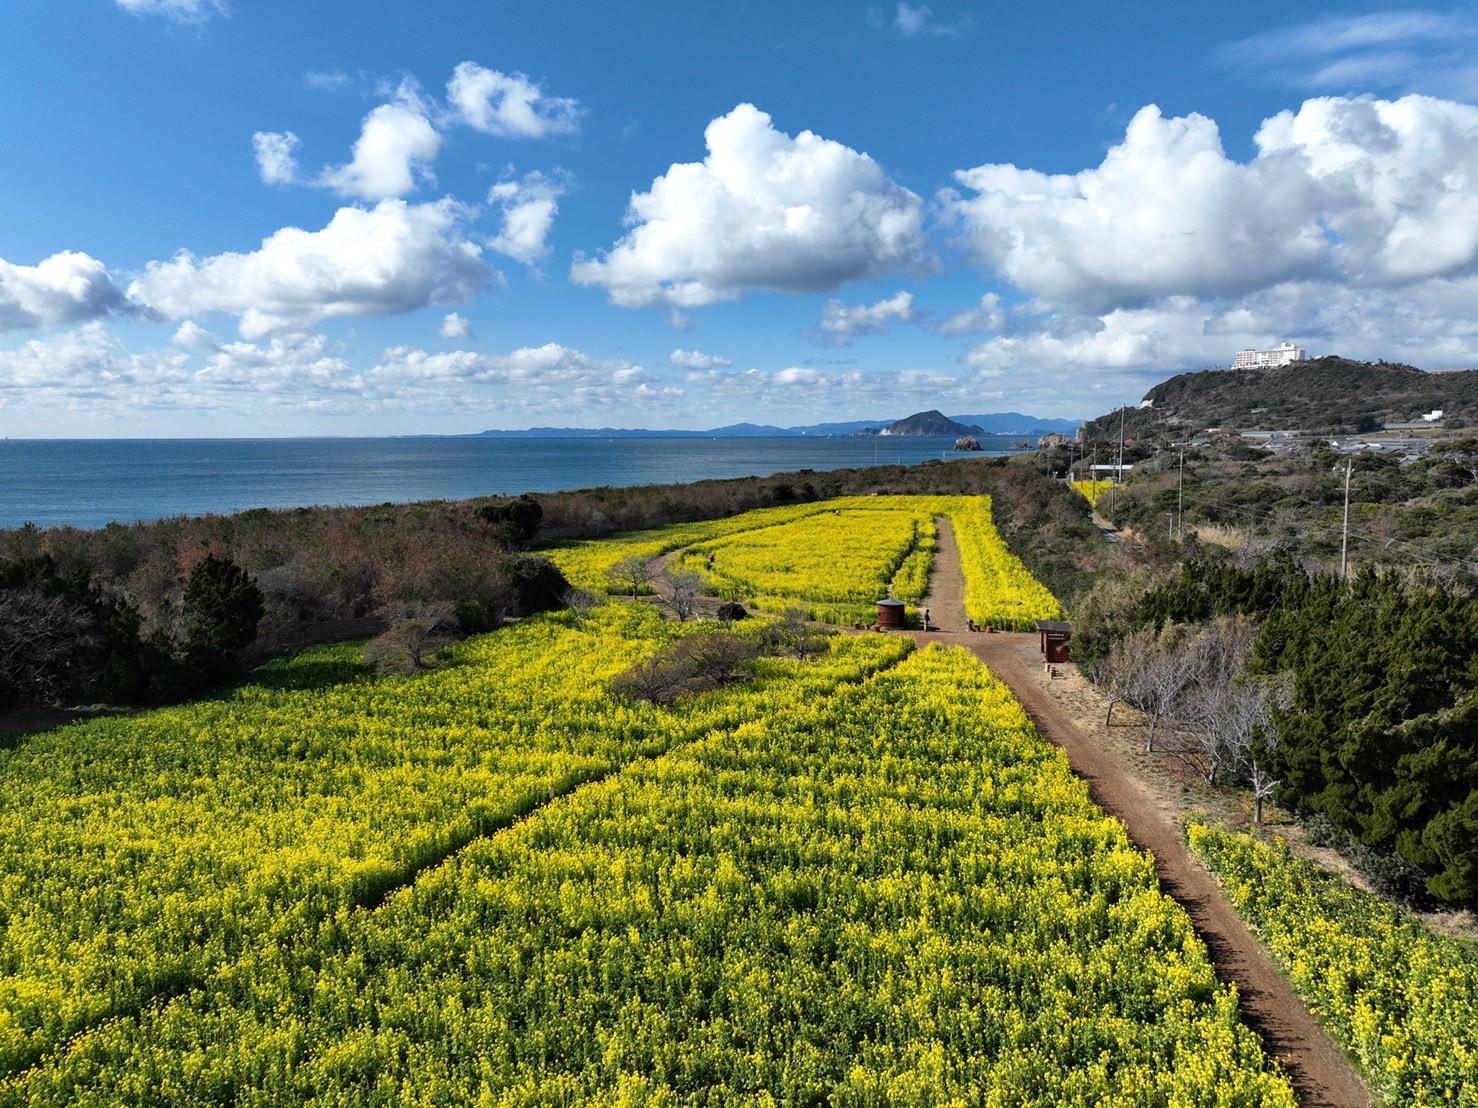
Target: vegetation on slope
<point x="1326" y="394"/>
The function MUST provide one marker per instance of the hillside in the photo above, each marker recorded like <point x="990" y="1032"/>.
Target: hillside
<point x="930" y="423"/>
<point x="1325" y="394"/>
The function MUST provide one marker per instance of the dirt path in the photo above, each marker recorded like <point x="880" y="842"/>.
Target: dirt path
<point x="1319" y="1070"/>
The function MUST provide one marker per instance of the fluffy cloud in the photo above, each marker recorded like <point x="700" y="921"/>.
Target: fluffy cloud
<point x="509" y="105"/>
<point x="87" y="368"/>
<point x="454" y="326"/>
<point x="1166" y="212"/>
<point x="300" y="364"/>
<point x="696" y="359"/>
<point x="277" y="162"/>
<point x="393" y="153"/>
<point x="762" y="211"/>
<point x="396" y="146"/>
<point x="68" y="287"/>
<point x="985" y="316"/>
<point x="544" y="378"/>
<point x="191" y="336"/>
<point x="180" y="11"/>
<point x="840" y="324"/>
<point x="800" y="392"/>
<point x="528" y="206"/>
<point x="1364" y="191"/>
<point x="395" y="257"/>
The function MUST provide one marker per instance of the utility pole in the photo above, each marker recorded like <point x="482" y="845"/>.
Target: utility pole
<point x="1180" y="499"/>
<point x="1119" y="467"/>
<point x="1344" y="542"/>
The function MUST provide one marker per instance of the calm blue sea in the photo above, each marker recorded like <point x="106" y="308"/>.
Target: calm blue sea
<point x="91" y="482"/>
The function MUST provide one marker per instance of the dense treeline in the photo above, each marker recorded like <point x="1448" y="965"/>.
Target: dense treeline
<point x="1377" y="727"/>
<point x="70" y="637"/>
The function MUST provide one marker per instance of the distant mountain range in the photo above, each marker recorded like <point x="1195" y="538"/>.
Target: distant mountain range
<point x="996" y="423"/>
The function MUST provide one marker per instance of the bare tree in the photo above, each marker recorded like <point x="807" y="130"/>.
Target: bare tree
<point x="46" y="645"/>
<point x="655" y="680"/>
<point x="682" y="593"/>
<point x="715" y="658"/>
<point x="695" y="663"/>
<point x="1251" y="733"/>
<point x="1121" y="672"/>
<point x="791" y="634"/>
<point x="418" y="630"/>
<point x="631" y="573"/>
<point x="1160" y="690"/>
<point x="1213" y="705"/>
<point x="581" y="602"/>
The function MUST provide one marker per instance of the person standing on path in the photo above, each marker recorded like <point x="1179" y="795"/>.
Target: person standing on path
<point x="926" y="619"/>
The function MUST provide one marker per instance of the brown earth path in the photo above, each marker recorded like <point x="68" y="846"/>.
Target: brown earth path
<point x="1320" y="1072"/>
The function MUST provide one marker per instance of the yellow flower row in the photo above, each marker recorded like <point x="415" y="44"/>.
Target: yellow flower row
<point x="890" y="891"/>
<point x="1401" y="999"/>
<point x="138" y="855"/>
<point x="834" y="557"/>
<point x="1092" y="490"/>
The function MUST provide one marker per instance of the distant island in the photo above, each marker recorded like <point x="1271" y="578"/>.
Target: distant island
<point x="995" y="423"/>
<point x="931" y="423"/>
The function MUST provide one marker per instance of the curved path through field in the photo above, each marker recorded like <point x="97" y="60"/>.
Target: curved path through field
<point x="1319" y="1070"/>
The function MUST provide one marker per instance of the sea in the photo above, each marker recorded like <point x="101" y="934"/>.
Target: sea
<point x="93" y="482"/>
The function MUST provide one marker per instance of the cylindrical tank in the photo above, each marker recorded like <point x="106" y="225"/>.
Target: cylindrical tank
<point x="890" y="613"/>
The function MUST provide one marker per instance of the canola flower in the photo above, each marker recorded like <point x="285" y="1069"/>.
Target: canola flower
<point x="834" y="564"/>
<point x="1092" y="490"/>
<point x="833" y="558"/>
<point x="139" y="855"/>
<point x="886" y="891"/>
<point x="1401" y="999"/>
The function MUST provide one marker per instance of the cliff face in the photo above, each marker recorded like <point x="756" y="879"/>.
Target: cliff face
<point x="930" y="423"/>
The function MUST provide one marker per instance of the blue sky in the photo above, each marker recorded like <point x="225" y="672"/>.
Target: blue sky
<point x="226" y="217"/>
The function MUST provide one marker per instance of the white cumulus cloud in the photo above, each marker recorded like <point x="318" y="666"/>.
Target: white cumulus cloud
<point x="763" y="210"/>
<point x="394" y="153"/>
<point x="276" y="161"/>
<point x="528" y="207"/>
<point x="1357" y="190"/>
<point x="395" y="148"/>
<point x="68" y="287"/>
<point x="392" y="258"/>
<point x="509" y="105"/>
<point x="696" y="359"/>
<point x="548" y="378"/>
<point x="455" y="326"/>
<point x="841" y="323"/>
<point x="87" y="368"/>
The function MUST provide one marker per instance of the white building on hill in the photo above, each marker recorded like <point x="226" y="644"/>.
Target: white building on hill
<point x="1285" y="353"/>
